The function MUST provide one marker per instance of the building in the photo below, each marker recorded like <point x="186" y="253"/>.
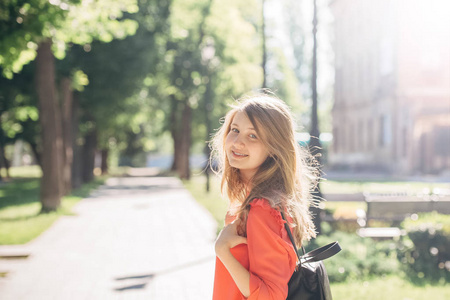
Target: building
<point x="392" y="86"/>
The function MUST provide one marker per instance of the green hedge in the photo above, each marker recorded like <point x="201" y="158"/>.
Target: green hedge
<point x="423" y="255"/>
<point x="359" y="258"/>
<point x="425" y="252"/>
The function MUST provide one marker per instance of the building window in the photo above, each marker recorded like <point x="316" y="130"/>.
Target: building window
<point x="335" y="140"/>
<point x="381" y="130"/>
<point x="441" y="141"/>
<point x="385" y="130"/>
<point x="349" y="137"/>
<point x="361" y="136"/>
<point x="386" y="56"/>
<point x="405" y="142"/>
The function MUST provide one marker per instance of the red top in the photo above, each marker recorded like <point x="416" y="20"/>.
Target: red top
<point x="268" y="255"/>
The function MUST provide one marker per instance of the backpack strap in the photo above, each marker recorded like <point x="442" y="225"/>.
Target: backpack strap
<point x="318" y="254"/>
<point x="291" y="237"/>
<point x="322" y="253"/>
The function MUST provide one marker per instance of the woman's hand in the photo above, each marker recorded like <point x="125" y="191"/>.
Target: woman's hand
<point x="228" y="238"/>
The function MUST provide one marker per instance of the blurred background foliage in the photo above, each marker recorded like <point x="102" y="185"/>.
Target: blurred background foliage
<point x="117" y="80"/>
<point x="420" y="255"/>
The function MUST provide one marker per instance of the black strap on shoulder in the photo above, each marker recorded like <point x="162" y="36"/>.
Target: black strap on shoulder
<point x="318" y="254"/>
<point x="291" y="237"/>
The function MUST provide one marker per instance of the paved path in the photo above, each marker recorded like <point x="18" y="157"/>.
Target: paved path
<point x="134" y="238"/>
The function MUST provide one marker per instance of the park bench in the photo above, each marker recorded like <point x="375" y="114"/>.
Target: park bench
<point x="397" y="207"/>
<point x="391" y="207"/>
<point x="381" y="232"/>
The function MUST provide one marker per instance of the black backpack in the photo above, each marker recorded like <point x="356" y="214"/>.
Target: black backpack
<point x="310" y="280"/>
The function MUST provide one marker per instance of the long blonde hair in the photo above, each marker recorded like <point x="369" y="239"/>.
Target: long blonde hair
<point x="286" y="178"/>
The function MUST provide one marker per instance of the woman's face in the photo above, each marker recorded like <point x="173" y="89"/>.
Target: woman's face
<point x="244" y="148"/>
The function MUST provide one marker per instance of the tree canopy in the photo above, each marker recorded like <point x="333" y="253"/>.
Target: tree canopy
<point x="128" y="72"/>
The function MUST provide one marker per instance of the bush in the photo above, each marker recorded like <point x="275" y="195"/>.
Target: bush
<point x="360" y="258"/>
<point x="348" y="226"/>
<point x="426" y="251"/>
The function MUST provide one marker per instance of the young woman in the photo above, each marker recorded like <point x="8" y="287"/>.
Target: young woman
<point x="264" y="171"/>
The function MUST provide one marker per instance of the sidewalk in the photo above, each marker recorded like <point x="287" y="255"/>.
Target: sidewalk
<point x="134" y="238"/>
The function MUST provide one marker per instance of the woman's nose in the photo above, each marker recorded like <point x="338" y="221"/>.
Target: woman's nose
<point x="237" y="142"/>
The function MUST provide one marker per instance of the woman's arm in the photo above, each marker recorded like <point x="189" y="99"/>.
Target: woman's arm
<point x="228" y="238"/>
<point x="271" y="258"/>
<point x="272" y="261"/>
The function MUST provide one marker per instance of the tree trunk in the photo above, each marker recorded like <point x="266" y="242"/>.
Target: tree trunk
<point x="208" y="109"/>
<point x="37" y="155"/>
<point x="264" y="51"/>
<point x="176" y="137"/>
<point x="76" y="176"/>
<point x="174" y="130"/>
<point x="4" y="163"/>
<point x="314" y="142"/>
<point x="181" y="135"/>
<point x="66" y="109"/>
<point x="50" y="120"/>
<point x="183" y="168"/>
<point x="89" y="156"/>
<point x="2" y="142"/>
<point x="104" y="164"/>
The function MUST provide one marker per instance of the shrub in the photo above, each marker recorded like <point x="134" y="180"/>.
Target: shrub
<point x="426" y="251"/>
<point x="360" y="258"/>
<point x="348" y="226"/>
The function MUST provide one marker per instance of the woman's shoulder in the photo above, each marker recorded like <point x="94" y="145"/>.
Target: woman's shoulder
<point x="263" y="208"/>
<point x="262" y="203"/>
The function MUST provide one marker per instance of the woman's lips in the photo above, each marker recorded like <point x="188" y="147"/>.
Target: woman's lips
<point x="238" y="154"/>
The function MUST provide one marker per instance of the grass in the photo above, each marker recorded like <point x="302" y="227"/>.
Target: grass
<point x="388" y="288"/>
<point x="20" y="220"/>
<point x="212" y="200"/>
<point x="23" y="172"/>
<point x="350" y="187"/>
<point x="344" y="210"/>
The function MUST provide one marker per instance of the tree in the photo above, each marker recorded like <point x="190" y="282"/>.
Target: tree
<point x="114" y="104"/>
<point x="50" y="120"/>
<point x="41" y="29"/>
<point x="18" y="113"/>
<point x="263" y="45"/>
<point x="186" y="67"/>
<point x="295" y="24"/>
<point x="314" y="143"/>
<point x="198" y="84"/>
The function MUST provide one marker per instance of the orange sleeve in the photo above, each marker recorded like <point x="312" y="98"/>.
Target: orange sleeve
<point x="271" y="264"/>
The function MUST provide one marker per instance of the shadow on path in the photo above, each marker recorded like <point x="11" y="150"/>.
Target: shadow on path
<point x="149" y="277"/>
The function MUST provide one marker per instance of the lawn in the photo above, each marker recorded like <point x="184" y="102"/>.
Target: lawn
<point x="389" y="288"/>
<point x="213" y="201"/>
<point x="350" y="187"/>
<point x="20" y="221"/>
<point x="23" y="172"/>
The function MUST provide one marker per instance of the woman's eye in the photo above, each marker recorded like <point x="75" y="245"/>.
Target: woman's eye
<point x="235" y="130"/>
<point x="252" y="136"/>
